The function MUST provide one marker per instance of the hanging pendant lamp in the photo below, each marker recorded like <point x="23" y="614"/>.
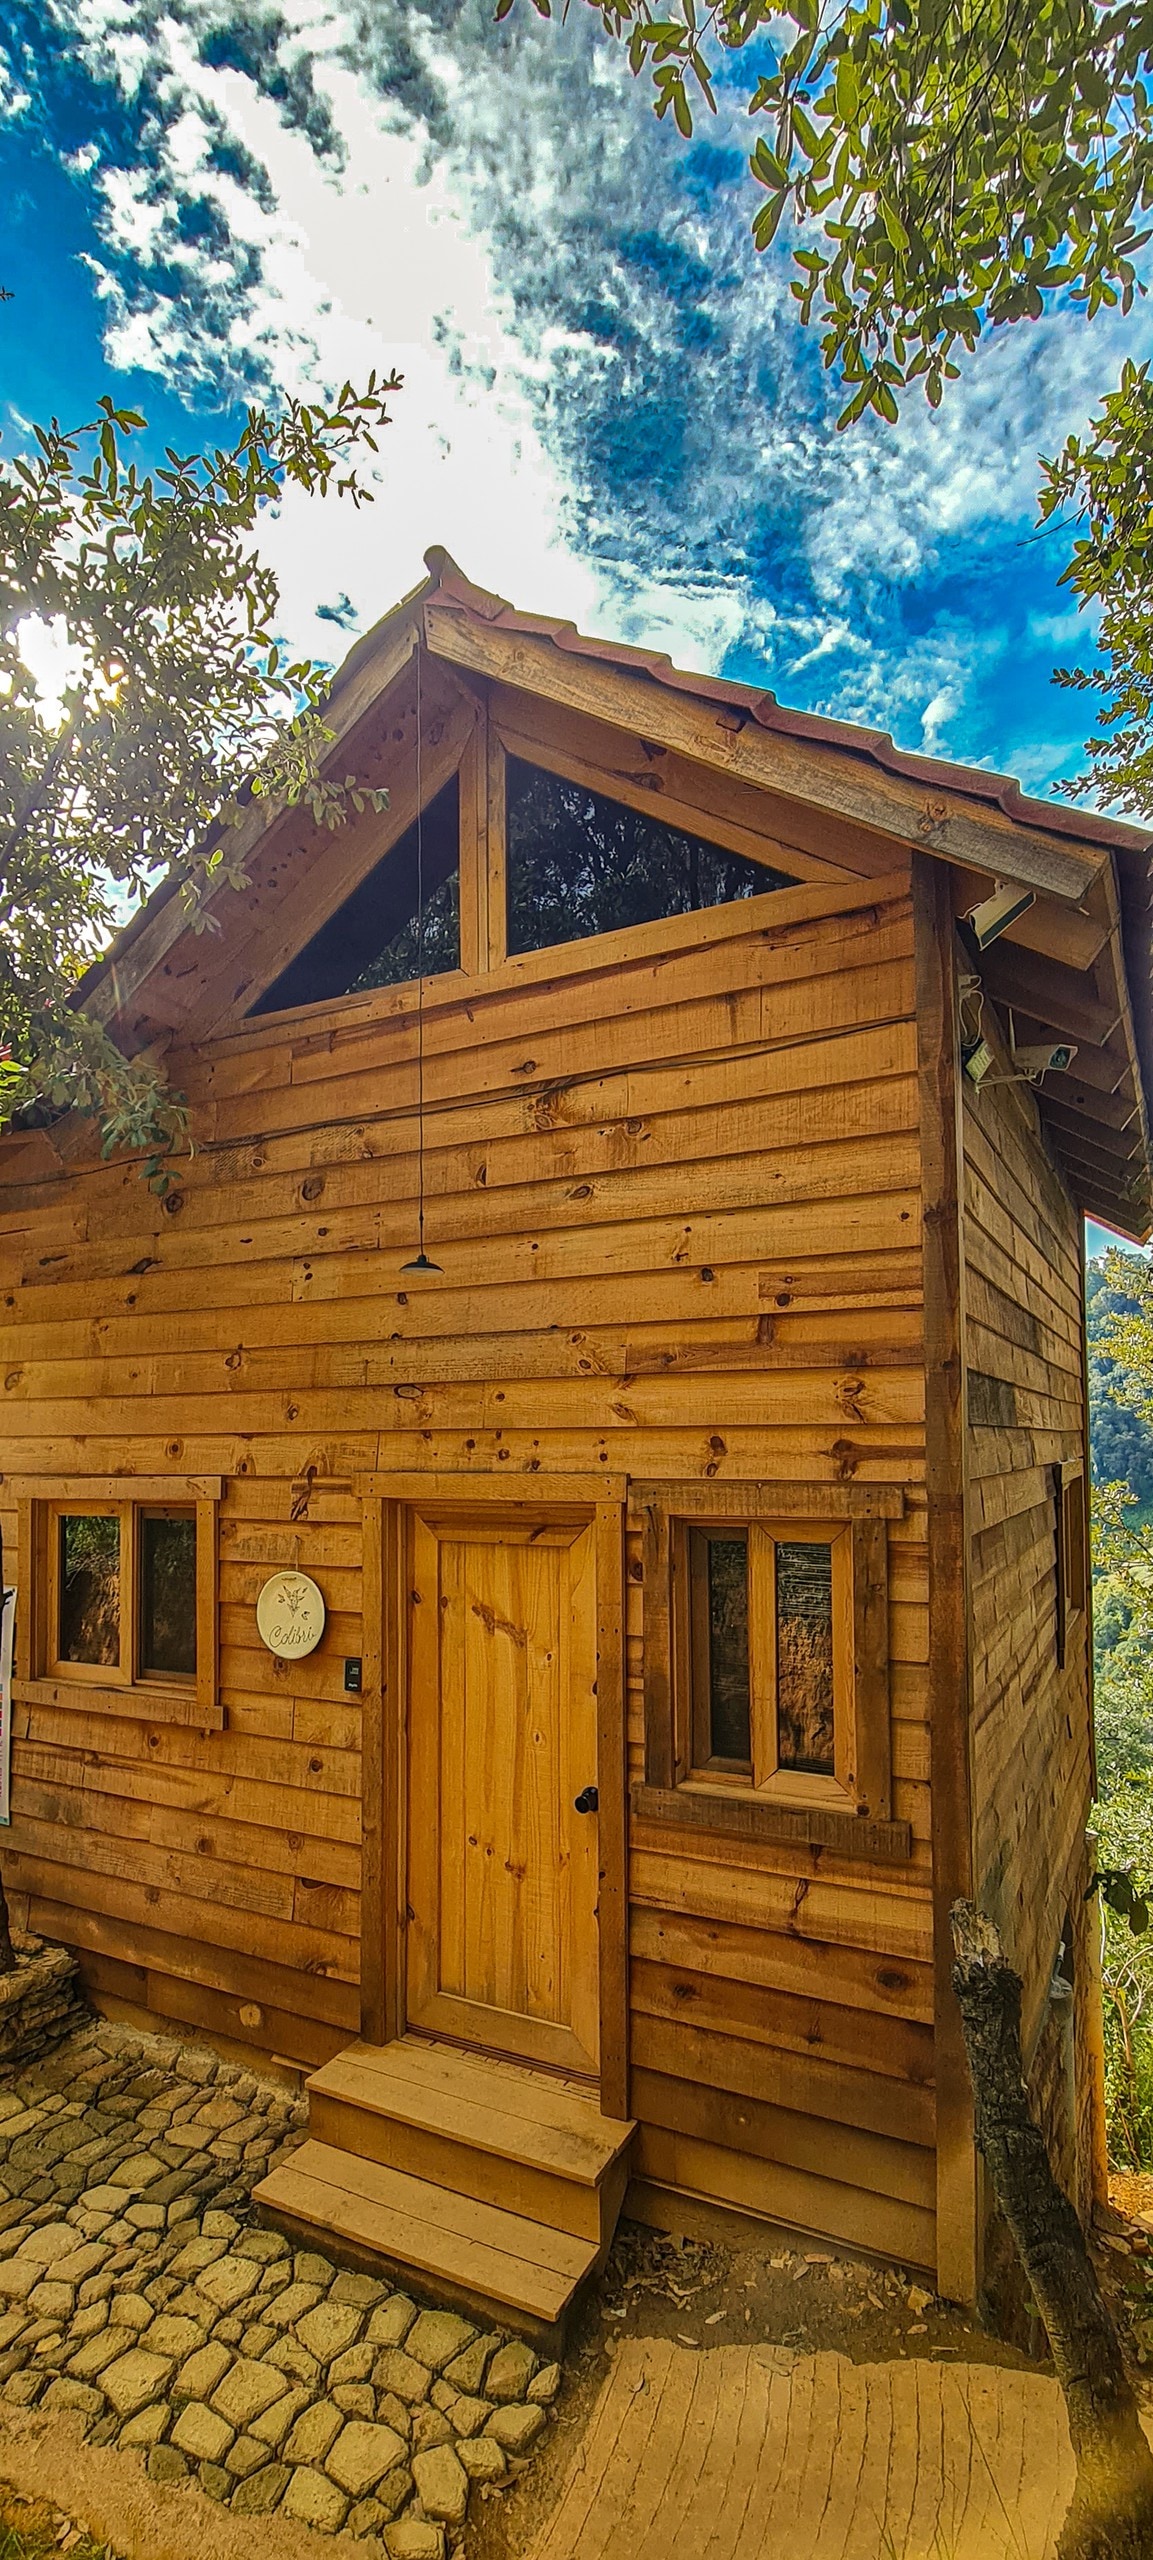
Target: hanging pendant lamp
<point x="421" y="1265"/>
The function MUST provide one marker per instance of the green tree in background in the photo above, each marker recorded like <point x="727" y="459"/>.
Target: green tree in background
<point x="950" y="167"/>
<point x="176" y="711"/>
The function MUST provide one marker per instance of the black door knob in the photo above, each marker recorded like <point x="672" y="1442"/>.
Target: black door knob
<point x="587" y="1801"/>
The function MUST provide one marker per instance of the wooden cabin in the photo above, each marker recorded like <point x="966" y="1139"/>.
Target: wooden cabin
<point x="699" y="1526"/>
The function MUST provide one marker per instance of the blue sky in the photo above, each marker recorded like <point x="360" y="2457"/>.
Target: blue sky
<point x="609" y="409"/>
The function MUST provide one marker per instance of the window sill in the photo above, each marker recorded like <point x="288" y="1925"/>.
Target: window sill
<point x="744" y="1816"/>
<point x="148" y="1702"/>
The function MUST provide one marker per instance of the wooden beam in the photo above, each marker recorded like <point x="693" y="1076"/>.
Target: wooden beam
<point x="958" y="2239"/>
<point x="1064" y="998"/>
<point x="828" y="777"/>
<point x="1075" y="1127"/>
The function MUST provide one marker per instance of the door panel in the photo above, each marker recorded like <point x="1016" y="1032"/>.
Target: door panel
<point x="502" y="1871"/>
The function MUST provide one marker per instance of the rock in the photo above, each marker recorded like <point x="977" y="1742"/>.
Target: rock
<point x="230" y="2281"/>
<point x="389" y="2327"/>
<point x="146" y="2217"/>
<point x="510" y="2372"/>
<point x="198" y="2377"/>
<point x="516" y="2426"/>
<point x="264" y="2246"/>
<point x="86" y="2324"/>
<point x="247" y="2390"/>
<point x="364" y="2291"/>
<point x="291" y="2304"/>
<point x="290" y="2357"/>
<point x="205" y="2251"/>
<point x="248" y="2455"/>
<point x="395" y="2490"/>
<point x="199" y="2431"/>
<point x="229" y="2332"/>
<point x="257" y="2340"/>
<point x="23" y="2388"/>
<point x="314" y="2500"/>
<point x="482" y="2459"/>
<point x="258" y="2495"/>
<point x="308" y="2267"/>
<point x="63" y="2394"/>
<point x="354" y="2365"/>
<point x="467" y="2372"/>
<point x="316" y="2429"/>
<point x="357" y="2399"/>
<point x="52" y="2301"/>
<point x="171" y="2335"/>
<point x="274" y="2423"/>
<point x="135" y="2378"/>
<point x="53" y="2240"/>
<point x="220" y="2226"/>
<point x="138" y="2173"/>
<point x="214" y="2481"/>
<point x="361" y="2455"/>
<point x="90" y="2359"/>
<point x="130" y="2311"/>
<point x="147" y="2426"/>
<point x="467" y="2416"/>
<point x="441" y="2484"/>
<point x="437" y="2336"/>
<point x="396" y="2371"/>
<point x="411" y="2539"/>
<point x="103" y="2431"/>
<point x="442" y="2395"/>
<point x="166" y="2463"/>
<point x="544" y="2385"/>
<point x="429" y="2427"/>
<point x="18" y="2276"/>
<point x="327" y="2331"/>
<point x="391" y="2412"/>
<point x="364" y="2518"/>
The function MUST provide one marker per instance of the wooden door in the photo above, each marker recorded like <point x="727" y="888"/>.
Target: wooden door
<point x="502" y="1728"/>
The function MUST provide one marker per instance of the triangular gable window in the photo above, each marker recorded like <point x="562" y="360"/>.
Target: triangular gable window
<point x="580" y="863"/>
<point x="374" y="939"/>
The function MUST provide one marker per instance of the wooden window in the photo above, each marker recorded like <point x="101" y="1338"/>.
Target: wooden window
<point x="381" y="936"/>
<point x="766" y="1663"/>
<point x="580" y="863"/>
<point x="1072" y="1551"/>
<point x="118" y="1601"/>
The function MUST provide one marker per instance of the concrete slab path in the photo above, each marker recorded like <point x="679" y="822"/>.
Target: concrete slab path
<point x="756" y="2453"/>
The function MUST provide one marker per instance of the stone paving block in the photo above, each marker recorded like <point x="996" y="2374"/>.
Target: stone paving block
<point x="313" y="2499"/>
<point x="248" y="2455"/>
<point x="482" y="2459"/>
<point x="18" y="2276"/>
<point x="247" y="2389"/>
<point x="357" y="2399"/>
<point x="309" y="2267"/>
<point x="167" y="2464"/>
<point x="274" y="2423"/>
<point x="201" y="2433"/>
<point x="214" y="2481"/>
<point x="135" y="2175"/>
<point x="467" y="2415"/>
<point x="510" y="2372"/>
<point x="468" y="2370"/>
<point x="429" y="2427"/>
<point x="396" y="2371"/>
<point x="91" y="2358"/>
<point x="411" y="2539"/>
<point x="148" y="2425"/>
<point x="291" y="2304"/>
<point x="135" y="2378"/>
<point x="291" y="2358"/>
<point x="65" y="2394"/>
<point x="170" y="2335"/>
<point x="197" y="2254"/>
<point x="130" y="2311"/>
<point x="258" y="2495"/>
<point x="262" y="2245"/>
<point x="361" y="2455"/>
<point x="201" y="2371"/>
<point x="230" y="2281"/>
<point x="328" y="2330"/>
<point x="364" y="2518"/>
<point x="354" y="2365"/>
<point x="316" y="2429"/>
<point x="437" y="2336"/>
<point x="53" y="2240"/>
<point x="365" y="2291"/>
<point x="441" y="2484"/>
<point x="516" y="2426"/>
<point x="219" y="2226"/>
<point x="544" y="2385"/>
<point x="389" y="2327"/>
<point x="392" y="2412"/>
<point x="52" y="2301"/>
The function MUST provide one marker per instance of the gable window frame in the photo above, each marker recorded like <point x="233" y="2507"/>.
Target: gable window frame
<point x="44" y="1673"/>
<point x="687" y="1783"/>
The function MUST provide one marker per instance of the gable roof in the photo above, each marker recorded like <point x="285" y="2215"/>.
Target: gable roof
<point x="1076" y="861"/>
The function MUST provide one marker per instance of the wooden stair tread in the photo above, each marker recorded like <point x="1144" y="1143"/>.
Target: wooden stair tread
<point x="479" y="2104"/>
<point x="429" y="2229"/>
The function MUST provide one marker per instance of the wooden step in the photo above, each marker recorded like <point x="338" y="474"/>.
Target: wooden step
<point x="445" y="2246"/>
<point x="482" y="2128"/>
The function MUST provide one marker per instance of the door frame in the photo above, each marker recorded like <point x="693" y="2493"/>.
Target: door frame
<point x="386" y="1499"/>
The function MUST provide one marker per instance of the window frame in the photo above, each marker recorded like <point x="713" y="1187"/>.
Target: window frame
<point x="850" y="1807"/>
<point x="43" y="1674"/>
<point x="1071" y="1527"/>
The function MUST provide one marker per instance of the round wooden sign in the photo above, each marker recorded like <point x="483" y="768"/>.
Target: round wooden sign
<point x="290" y="1615"/>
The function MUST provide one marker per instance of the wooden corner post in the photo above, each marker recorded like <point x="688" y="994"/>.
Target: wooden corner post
<point x="939" y="1072"/>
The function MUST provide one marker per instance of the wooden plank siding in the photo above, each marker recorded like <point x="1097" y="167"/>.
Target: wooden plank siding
<point x="676" y="1201"/>
<point x="1031" y="1713"/>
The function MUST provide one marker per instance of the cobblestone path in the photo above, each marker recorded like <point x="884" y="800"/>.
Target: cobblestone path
<point x="133" y="2292"/>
